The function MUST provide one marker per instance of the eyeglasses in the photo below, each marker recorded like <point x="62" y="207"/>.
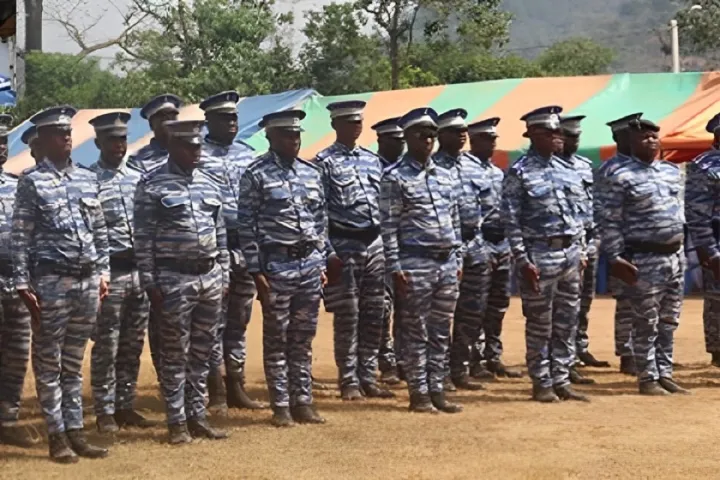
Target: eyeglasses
<point x="425" y="134"/>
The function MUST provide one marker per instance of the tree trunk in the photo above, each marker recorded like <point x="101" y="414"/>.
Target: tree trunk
<point x="394" y="64"/>
<point x="33" y="25"/>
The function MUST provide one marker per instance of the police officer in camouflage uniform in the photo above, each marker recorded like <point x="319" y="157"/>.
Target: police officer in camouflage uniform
<point x="623" y="319"/>
<point x="356" y="287"/>
<point x="544" y="226"/>
<point x="487" y="352"/>
<point x="157" y="111"/>
<point x="14" y="315"/>
<point x="120" y="332"/>
<point x="282" y="235"/>
<point x="423" y="252"/>
<point x="225" y="160"/>
<point x="181" y="249"/>
<point x="61" y="266"/>
<point x="642" y="233"/>
<point x="702" y="213"/>
<point x="391" y="144"/>
<point x="571" y="126"/>
<point x="470" y="181"/>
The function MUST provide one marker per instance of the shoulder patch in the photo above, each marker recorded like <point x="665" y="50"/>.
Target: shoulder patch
<point x="309" y="163"/>
<point x="370" y="152"/>
<point x="324" y="154"/>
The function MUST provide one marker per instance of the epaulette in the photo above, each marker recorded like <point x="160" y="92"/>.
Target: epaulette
<point x="210" y="175"/>
<point x="86" y="167"/>
<point x="471" y="157"/>
<point x="311" y="164"/>
<point x="245" y="144"/>
<point x="324" y="154"/>
<point x="367" y="150"/>
<point x="667" y="162"/>
<point x="149" y="177"/>
<point x="11" y="175"/>
<point x="133" y="167"/>
<point x="584" y="159"/>
<point x="29" y="170"/>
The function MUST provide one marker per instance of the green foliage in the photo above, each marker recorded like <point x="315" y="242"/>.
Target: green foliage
<point x="700" y="27"/>
<point x="577" y="56"/>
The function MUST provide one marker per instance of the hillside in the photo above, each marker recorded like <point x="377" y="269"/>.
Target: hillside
<point x="628" y="26"/>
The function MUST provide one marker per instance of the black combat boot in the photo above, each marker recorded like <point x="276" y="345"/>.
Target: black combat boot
<point x="421" y="403"/>
<point x="80" y="445"/>
<point x="672" y="387"/>
<point x="351" y="393"/>
<point x="106" y="424"/>
<point x="578" y="379"/>
<point x="306" y="414"/>
<point x="390" y="376"/>
<point x="652" y="389"/>
<point x="479" y="371"/>
<point x="131" y="418"/>
<point x="627" y="366"/>
<point x="544" y="394"/>
<point x="217" y="398"/>
<point x="566" y="392"/>
<point x="441" y="403"/>
<point x="498" y="368"/>
<point x="178" y="434"/>
<point x="448" y="385"/>
<point x="372" y="390"/>
<point x="237" y="397"/>
<point x="200" y="428"/>
<point x="590" y="361"/>
<point x="60" y="449"/>
<point x="17" y="437"/>
<point x="281" y="417"/>
<point x="463" y="382"/>
<point x="716" y="359"/>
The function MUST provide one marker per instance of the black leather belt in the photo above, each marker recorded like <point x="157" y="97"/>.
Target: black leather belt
<point x="296" y="251"/>
<point x="364" y="235"/>
<point x="187" y="267"/>
<point x="45" y="267"/>
<point x="439" y="254"/>
<point x="493" y="235"/>
<point x="559" y="242"/>
<point x="652" y="247"/>
<point x="123" y="261"/>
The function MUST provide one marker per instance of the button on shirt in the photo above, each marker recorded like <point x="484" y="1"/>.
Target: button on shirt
<point x="702" y="200"/>
<point x="58" y="219"/>
<point x="351" y="181"/>
<point x="419" y="210"/>
<point x="471" y="185"/>
<point x="642" y="204"/>
<point x="149" y="157"/>
<point x="540" y="200"/>
<point x="282" y="204"/>
<point x="178" y="216"/>
<point x="116" y="192"/>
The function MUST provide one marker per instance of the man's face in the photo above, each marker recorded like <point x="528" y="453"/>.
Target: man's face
<point x="483" y="145"/>
<point x="285" y="143"/>
<point x="421" y="141"/>
<point x="223" y="125"/>
<point x="186" y="155"/>
<point x="645" y="144"/>
<point x="157" y="121"/>
<point x="547" y="140"/>
<point x="57" y="141"/>
<point x="113" y="148"/>
<point x="572" y="143"/>
<point x="348" y="130"/>
<point x="392" y="147"/>
<point x="453" y="139"/>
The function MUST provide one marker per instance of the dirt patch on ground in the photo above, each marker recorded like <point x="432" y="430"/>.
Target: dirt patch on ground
<point x="500" y="435"/>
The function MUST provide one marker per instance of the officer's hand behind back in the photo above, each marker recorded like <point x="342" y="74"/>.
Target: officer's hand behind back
<point x="624" y="270"/>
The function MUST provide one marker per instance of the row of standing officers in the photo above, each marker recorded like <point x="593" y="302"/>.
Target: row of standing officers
<point x="187" y="231"/>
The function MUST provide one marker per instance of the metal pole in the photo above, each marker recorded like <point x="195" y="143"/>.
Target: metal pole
<point x="675" y="44"/>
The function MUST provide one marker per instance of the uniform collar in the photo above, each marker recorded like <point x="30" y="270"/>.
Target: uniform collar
<point x="155" y="144"/>
<point x="122" y="168"/>
<point x="68" y="170"/>
<point x="429" y="165"/>
<point x="175" y="168"/>
<point x="345" y="149"/>
<point x="211" y="141"/>
<point x="284" y="164"/>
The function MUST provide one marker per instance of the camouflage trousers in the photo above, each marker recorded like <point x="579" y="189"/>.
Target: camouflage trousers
<point x="622" y="319"/>
<point x="711" y="312"/>
<point x="153" y="333"/>
<point x="470" y="313"/>
<point x="357" y="302"/>
<point x="119" y="337"/>
<point x="551" y="315"/>
<point x="188" y="321"/>
<point x="587" y="294"/>
<point x="290" y="317"/>
<point x="655" y="302"/>
<point x="489" y="343"/>
<point x="425" y="315"/>
<point x="390" y="355"/>
<point x="14" y="355"/>
<point x="68" y="311"/>
<point x="230" y="346"/>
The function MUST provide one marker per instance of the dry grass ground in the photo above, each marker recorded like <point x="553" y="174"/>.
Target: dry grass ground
<point x="500" y="435"/>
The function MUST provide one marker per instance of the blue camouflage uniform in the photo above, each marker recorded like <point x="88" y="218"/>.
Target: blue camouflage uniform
<point x="226" y="164"/>
<point x="351" y="181"/>
<point x="422" y="238"/>
<point x="181" y="249"/>
<point x="470" y="183"/>
<point x="281" y="232"/>
<point x="643" y="223"/>
<point x="702" y="213"/>
<point x="14" y="316"/>
<point x="60" y="252"/>
<point x="541" y="202"/>
<point x="149" y="158"/>
<point x="122" y="321"/>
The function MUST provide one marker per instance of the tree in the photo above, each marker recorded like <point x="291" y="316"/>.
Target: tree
<point x="337" y="57"/>
<point x="577" y="56"/>
<point x="700" y="28"/>
<point x="198" y="48"/>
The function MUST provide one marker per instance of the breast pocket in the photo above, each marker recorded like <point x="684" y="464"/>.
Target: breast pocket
<point x="112" y="205"/>
<point x="55" y="215"/>
<point x="482" y="190"/>
<point x="91" y="211"/>
<point x="176" y="213"/>
<point x="210" y="208"/>
<point x="277" y="193"/>
<point x="344" y="186"/>
<point x="416" y="193"/>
